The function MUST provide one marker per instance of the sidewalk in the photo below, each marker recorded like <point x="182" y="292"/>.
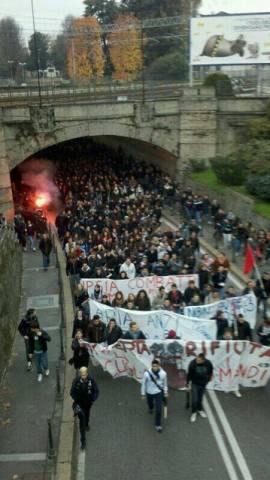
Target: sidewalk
<point x="25" y="404"/>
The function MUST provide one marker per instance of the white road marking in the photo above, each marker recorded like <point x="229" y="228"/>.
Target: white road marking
<point x="236" y="451"/>
<point x="80" y="474"/>
<point x="23" y="457"/>
<point x="239" y="457"/>
<point x="220" y="442"/>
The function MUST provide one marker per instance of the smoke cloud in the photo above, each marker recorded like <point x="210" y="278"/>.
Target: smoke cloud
<point x="39" y="174"/>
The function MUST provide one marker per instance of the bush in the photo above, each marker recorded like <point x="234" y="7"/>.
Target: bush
<point x="220" y="82"/>
<point x="229" y="169"/>
<point x="197" y="165"/>
<point x="256" y="156"/>
<point x="172" y="66"/>
<point x="259" y="185"/>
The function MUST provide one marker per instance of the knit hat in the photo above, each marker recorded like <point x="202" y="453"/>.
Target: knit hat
<point x="171" y="334"/>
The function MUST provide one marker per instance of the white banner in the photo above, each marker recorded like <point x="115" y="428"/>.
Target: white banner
<point x="157" y="323"/>
<point x="235" y="362"/>
<point x="246" y="304"/>
<point x="230" y="39"/>
<point x="149" y="284"/>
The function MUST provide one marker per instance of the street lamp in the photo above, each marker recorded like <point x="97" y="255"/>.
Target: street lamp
<point x="22" y="64"/>
<point x="10" y="63"/>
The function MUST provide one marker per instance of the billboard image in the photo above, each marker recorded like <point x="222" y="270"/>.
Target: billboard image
<point x="230" y="39"/>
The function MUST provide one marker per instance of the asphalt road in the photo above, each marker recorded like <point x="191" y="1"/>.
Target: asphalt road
<point x="123" y="443"/>
<point x="232" y="443"/>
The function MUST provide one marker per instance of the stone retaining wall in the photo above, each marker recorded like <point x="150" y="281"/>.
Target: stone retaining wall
<point x="10" y="291"/>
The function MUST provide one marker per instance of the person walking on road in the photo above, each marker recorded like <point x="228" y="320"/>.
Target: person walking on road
<point x="38" y="340"/>
<point x="45" y="246"/>
<point x="24" y="328"/>
<point x="84" y="392"/>
<point x="199" y="374"/>
<point x="155" y="387"/>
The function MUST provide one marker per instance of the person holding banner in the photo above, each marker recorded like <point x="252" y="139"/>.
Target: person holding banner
<point x="200" y="371"/>
<point x="113" y="332"/>
<point x="155" y="389"/>
<point x="134" y="333"/>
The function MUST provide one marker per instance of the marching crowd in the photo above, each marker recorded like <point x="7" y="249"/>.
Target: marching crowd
<point x="110" y="226"/>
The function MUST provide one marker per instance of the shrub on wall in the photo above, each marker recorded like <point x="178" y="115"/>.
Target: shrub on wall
<point x="229" y="169"/>
<point x="259" y="185"/>
<point x="220" y="82"/>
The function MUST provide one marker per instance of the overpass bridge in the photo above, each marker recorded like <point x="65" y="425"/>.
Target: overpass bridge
<point x="167" y="126"/>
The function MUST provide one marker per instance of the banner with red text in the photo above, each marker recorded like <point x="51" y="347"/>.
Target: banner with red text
<point x="149" y="284"/>
<point x="235" y="363"/>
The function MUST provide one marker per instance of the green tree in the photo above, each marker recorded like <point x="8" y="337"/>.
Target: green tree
<point x="172" y="66"/>
<point x="221" y="82"/>
<point x="12" y="50"/>
<point x="59" y="47"/>
<point x="105" y="11"/>
<point x="38" y="51"/>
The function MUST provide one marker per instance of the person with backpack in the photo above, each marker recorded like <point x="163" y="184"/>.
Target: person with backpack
<point x="84" y="392"/>
<point x="155" y="389"/>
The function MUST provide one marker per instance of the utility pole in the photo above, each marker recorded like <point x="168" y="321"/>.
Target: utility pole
<point x="36" y="55"/>
<point x="189" y="44"/>
<point x="143" y="76"/>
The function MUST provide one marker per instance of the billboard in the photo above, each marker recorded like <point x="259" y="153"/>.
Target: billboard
<point x="230" y="39"/>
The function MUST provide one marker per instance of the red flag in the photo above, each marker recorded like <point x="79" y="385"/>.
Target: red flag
<point x="249" y="260"/>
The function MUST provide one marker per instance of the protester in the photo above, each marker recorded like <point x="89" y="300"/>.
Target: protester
<point x="96" y="330"/>
<point x="221" y="322"/>
<point x="84" y="392"/>
<point x="129" y="268"/>
<point x="263" y="332"/>
<point x="38" y="339"/>
<point x="200" y="371"/>
<point x="134" y="333"/>
<point x="119" y="300"/>
<point x="80" y="322"/>
<point x="142" y="301"/>
<point x="176" y="298"/>
<point x="80" y="353"/>
<point x="154" y="387"/>
<point x="112" y="332"/>
<point x="45" y="246"/>
<point x="242" y="330"/>
<point x="158" y="300"/>
<point x="24" y="328"/>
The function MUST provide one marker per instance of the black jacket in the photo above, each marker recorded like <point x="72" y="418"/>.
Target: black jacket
<point x="45" y="246"/>
<point x="26" y="324"/>
<point x="84" y="393"/>
<point x="43" y="339"/>
<point x="80" y="355"/>
<point x="200" y="374"/>
<point x="244" y="331"/>
<point x="96" y="333"/>
<point x="114" y="335"/>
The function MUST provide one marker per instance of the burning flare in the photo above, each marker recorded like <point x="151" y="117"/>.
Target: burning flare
<point x="42" y="199"/>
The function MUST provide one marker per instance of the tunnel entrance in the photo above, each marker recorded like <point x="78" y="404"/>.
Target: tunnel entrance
<point x="34" y="180"/>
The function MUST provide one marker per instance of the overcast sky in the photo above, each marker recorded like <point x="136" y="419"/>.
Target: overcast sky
<point x="50" y="13"/>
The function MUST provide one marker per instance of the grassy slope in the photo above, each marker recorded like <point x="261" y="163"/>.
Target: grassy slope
<point x="208" y="177"/>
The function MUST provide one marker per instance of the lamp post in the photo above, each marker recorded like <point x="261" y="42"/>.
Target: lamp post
<point x="36" y="54"/>
<point x="10" y="63"/>
<point x="22" y="64"/>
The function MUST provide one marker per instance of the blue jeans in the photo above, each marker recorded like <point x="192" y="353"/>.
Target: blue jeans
<point x="41" y="361"/>
<point x="157" y="399"/>
<point x="46" y="260"/>
<point x="31" y="241"/>
<point x="197" y="392"/>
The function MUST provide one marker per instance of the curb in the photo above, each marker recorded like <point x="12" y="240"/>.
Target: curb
<point x="64" y="462"/>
